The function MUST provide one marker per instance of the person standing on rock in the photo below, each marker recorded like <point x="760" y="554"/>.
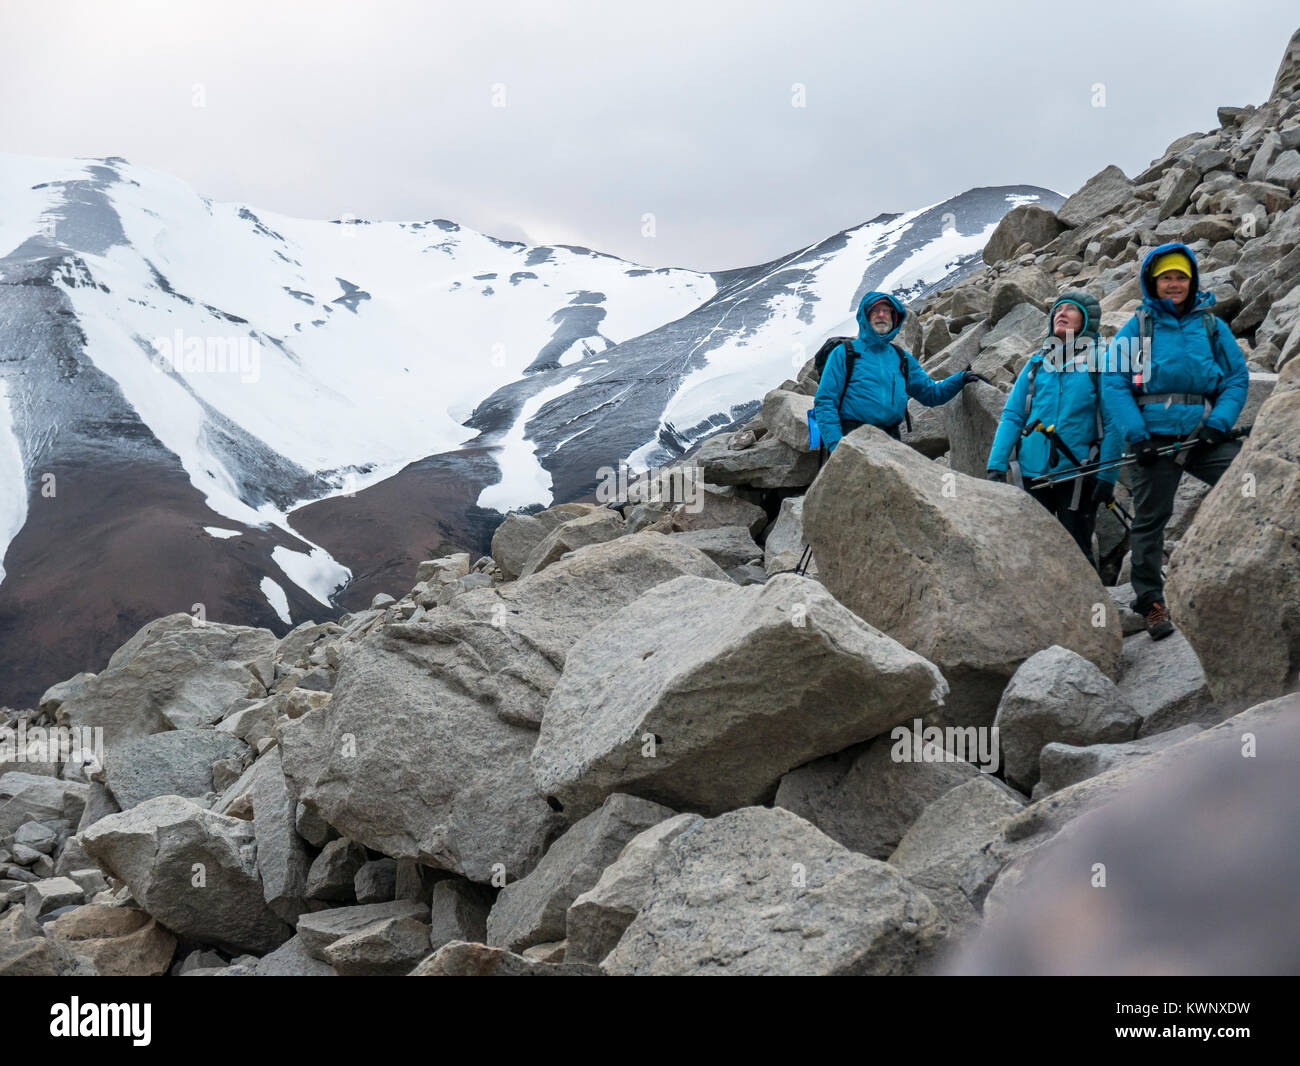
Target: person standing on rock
<point x="1185" y="378"/>
<point x="1058" y="397"/>
<point x="882" y="376"/>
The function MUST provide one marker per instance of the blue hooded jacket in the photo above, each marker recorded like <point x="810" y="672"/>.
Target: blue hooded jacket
<point x="1067" y="395"/>
<point x="877" y="392"/>
<point x="1182" y="361"/>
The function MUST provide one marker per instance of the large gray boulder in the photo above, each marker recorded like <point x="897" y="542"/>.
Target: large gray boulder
<point x="389" y="947"/>
<point x="1103" y="194"/>
<point x="1234" y="580"/>
<point x="193" y="870"/>
<point x="120" y="941"/>
<point x="1030" y="224"/>
<point x="727" y="546"/>
<point x="768" y="464"/>
<point x="174" y="673"/>
<point x="595" y="528"/>
<point x="972" y="419"/>
<point x="1022" y="285"/>
<point x="175" y="763"/>
<point x="1057" y="695"/>
<point x="785" y="542"/>
<point x="719" y="505"/>
<point x="458" y="911"/>
<point x="317" y="931"/>
<point x="797" y="675"/>
<point x="598" y="918"/>
<point x="1164" y="683"/>
<point x="943" y="853"/>
<point x="51" y="801"/>
<point x="282" y="859"/>
<point x="518" y="534"/>
<point x="866" y="797"/>
<point x="974" y="576"/>
<point x="759" y="891"/>
<point x="532" y="910"/>
<point x="423" y="751"/>
<point x="514" y="540"/>
<point x="786" y="416"/>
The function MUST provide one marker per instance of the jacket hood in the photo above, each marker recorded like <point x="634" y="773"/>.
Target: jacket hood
<point x="1148" y="283"/>
<point x="1085" y="302"/>
<point x="868" y="335"/>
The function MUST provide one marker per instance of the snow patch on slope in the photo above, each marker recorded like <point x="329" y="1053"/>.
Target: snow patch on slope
<point x="523" y="479"/>
<point x="277" y="599"/>
<point x="13" y="480"/>
<point x="315" y="572"/>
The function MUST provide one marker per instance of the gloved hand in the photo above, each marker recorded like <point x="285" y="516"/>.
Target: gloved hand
<point x="1209" y="437"/>
<point x="1145" y="450"/>
<point x="996" y="475"/>
<point x="1103" y="494"/>
<point x="968" y="376"/>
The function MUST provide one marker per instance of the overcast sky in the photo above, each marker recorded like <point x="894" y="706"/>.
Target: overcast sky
<point x="685" y="111"/>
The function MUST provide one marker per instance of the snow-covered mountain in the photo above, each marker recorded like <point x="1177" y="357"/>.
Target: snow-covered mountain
<point x="202" y="403"/>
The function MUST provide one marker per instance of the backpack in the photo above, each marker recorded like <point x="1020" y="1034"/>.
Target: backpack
<point x="1147" y="332"/>
<point x="850" y="358"/>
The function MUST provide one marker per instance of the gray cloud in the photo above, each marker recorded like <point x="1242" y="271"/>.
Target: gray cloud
<point x="682" y="110"/>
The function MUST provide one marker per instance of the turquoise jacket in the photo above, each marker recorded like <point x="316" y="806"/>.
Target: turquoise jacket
<point x="1067" y="396"/>
<point x="877" y="393"/>
<point x="1183" y="360"/>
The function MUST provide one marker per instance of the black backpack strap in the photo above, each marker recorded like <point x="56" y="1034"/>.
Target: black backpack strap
<point x="850" y="358"/>
<point x="902" y="366"/>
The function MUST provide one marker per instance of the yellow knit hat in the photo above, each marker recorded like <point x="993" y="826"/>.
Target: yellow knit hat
<point x="1172" y="261"/>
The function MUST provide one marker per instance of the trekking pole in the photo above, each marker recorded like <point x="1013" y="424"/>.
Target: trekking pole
<point x="1087" y="469"/>
<point x="804" y="559"/>
<point x="1125" y="519"/>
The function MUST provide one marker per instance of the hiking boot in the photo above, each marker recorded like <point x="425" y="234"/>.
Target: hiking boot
<point x="1158" y="624"/>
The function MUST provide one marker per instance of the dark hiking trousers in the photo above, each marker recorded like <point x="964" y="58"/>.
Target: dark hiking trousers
<point x="1153" y="504"/>
<point x="850" y="424"/>
<point x="1079" y="524"/>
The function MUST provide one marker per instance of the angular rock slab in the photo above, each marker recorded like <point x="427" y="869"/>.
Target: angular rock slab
<point x="458" y="911"/>
<point x="972" y="575"/>
<point x="943" y="852"/>
<point x="601" y="525"/>
<point x="769" y="464"/>
<point x="317" y="931"/>
<point x="532" y="910"/>
<point x="1234" y="580"/>
<point x="423" y="751"/>
<point x="736" y="685"/>
<point x="1057" y="695"/>
<point x="175" y="763"/>
<point x="785" y="541"/>
<point x="761" y="891"/>
<point x="1164" y="683"/>
<point x="598" y="918"/>
<point x="171" y="674"/>
<point x="154" y="848"/>
<point x="865" y="798"/>
<point x="121" y="942"/>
